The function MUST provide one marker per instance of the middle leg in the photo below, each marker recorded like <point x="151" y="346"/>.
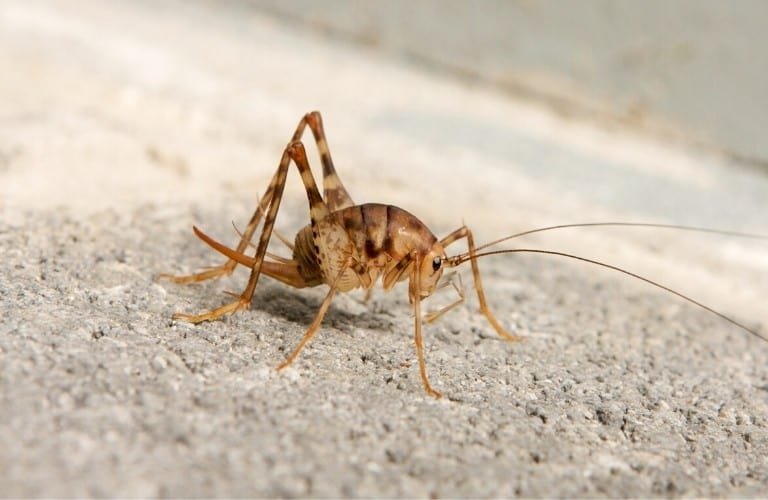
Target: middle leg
<point x="313" y="327"/>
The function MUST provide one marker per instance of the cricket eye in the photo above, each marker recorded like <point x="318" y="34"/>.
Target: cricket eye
<point x="436" y="263"/>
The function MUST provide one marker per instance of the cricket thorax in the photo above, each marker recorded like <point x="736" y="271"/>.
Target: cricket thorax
<point x="376" y="229"/>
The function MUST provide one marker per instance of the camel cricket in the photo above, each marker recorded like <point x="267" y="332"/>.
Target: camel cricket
<point x="348" y="246"/>
<point x="345" y="246"/>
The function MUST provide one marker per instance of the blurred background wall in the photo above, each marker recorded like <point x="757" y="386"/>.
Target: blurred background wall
<point x="690" y="70"/>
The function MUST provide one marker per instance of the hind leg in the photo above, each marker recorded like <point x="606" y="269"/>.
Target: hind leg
<point x="334" y="192"/>
<point x="295" y="153"/>
<point x="335" y="195"/>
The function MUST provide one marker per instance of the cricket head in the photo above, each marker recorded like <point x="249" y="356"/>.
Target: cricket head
<point x="430" y="269"/>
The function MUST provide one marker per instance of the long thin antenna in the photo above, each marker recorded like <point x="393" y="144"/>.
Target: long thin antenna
<point x="625" y="224"/>
<point x="455" y="261"/>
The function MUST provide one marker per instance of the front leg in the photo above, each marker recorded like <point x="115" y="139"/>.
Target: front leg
<point x="464" y="232"/>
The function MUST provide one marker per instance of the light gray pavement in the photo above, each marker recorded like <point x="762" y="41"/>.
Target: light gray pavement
<point x="695" y="70"/>
<point x="122" y="124"/>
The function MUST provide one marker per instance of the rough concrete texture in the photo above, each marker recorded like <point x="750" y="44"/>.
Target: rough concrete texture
<point x="124" y="123"/>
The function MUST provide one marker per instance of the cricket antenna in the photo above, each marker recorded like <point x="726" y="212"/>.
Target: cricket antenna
<point x="459" y="259"/>
<point x="624" y="224"/>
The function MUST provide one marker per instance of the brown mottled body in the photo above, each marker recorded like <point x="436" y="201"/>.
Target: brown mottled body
<point x="375" y="236"/>
<point x="345" y="246"/>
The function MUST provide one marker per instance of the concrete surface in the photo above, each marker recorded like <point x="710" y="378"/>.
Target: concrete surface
<point x="122" y="124"/>
<point x="693" y="70"/>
